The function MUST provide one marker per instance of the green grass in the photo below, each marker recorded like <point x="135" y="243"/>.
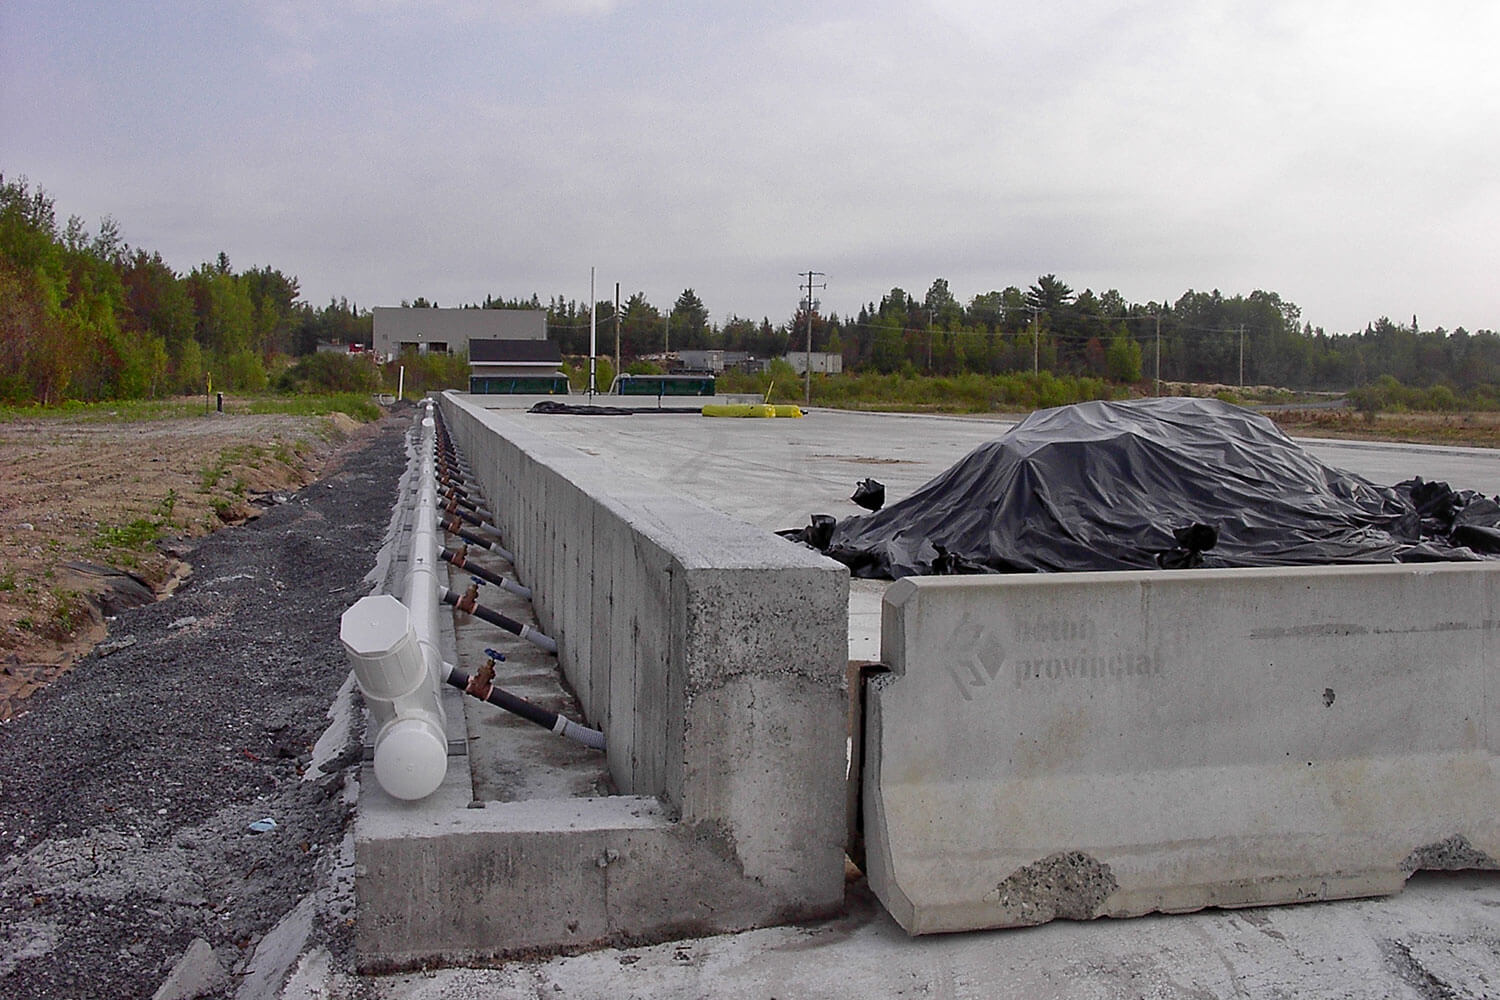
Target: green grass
<point x="970" y="393"/>
<point x="69" y="614"/>
<point x="209" y="475"/>
<point x="136" y="534"/>
<point x="360" y="406"/>
<point x="140" y="532"/>
<point x="119" y="409"/>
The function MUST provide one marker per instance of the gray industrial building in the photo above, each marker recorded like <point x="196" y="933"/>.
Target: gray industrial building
<point x="449" y="331"/>
<point x="822" y="363"/>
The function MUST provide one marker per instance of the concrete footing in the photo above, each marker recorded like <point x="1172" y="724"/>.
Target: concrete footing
<point x="710" y="653"/>
<point x="1112" y="744"/>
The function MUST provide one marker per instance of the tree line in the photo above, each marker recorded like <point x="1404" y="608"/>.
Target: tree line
<point x="85" y="316"/>
<point x="1257" y="339"/>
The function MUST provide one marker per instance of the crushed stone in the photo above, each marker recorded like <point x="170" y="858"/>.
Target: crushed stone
<point x="128" y="787"/>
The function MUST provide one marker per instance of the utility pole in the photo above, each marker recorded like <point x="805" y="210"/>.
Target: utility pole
<point x="1242" y="355"/>
<point x="811" y="304"/>
<point x="617" y="329"/>
<point x="1036" y="339"/>
<point x="929" y="341"/>
<point x="666" y="333"/>
<point x="1158" y="351"/>
<point x="593" y="336"/>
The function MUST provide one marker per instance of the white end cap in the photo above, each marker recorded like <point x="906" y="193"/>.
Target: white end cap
<point x="411" y="758"/>
<point x="382" y="647"/>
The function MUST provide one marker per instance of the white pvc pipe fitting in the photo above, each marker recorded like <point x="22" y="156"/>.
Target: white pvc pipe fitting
<point x="411" y="745"/>
<point x="393" y="649"/>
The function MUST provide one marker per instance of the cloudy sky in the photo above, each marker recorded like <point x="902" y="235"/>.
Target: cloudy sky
<point x="1343" y="154"/>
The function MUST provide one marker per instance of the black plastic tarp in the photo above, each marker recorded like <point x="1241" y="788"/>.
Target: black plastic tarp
<point x="1156" y="482"/>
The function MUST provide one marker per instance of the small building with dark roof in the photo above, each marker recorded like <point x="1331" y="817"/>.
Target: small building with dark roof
<point x="516" y="366"/>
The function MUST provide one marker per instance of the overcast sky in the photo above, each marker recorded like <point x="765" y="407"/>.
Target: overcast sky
<point x="1343" y="154"/>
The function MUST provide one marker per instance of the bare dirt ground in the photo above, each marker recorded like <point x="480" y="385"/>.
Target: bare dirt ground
<point x="85" y="501"/>
<point x="1471" y="430"/>
<point x="134" y="786"/>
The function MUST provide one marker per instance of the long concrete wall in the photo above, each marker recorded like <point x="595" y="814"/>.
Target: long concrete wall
<point x="1111" y="744"/>
<point x="712" y="655"/>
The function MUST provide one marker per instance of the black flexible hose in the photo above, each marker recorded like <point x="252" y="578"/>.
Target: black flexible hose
<point x="465" y="515"/>
<point x="511" y="703"/>
<point x="463" y="500"/>
<point x="455" y="527"/>
<point x="461" y="560"/>
<point x="473" y="607"/>
<point x="501" y="698"/>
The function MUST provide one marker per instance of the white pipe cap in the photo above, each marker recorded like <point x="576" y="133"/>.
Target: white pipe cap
<point x="411" y="758"/>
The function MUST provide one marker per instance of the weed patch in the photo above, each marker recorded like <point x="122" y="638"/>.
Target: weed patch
<point x="136" y="534"/>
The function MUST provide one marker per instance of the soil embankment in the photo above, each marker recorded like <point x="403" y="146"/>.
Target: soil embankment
<point x="96" y="515"/>
<point x="128" y="785"/>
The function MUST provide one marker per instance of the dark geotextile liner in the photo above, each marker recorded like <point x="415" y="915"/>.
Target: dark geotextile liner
<point x="1155" y="483"/>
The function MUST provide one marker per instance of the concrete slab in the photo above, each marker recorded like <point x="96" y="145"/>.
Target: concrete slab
<point x="775" y="473"/>
<point x="277" y="953"/>
<point x="197" y="973"/>
<point x="1112" y="744"/>
<point x="1437" y="937"/>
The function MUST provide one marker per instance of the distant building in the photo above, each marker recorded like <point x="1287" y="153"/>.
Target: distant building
<point x="341" y="347"/>
<point x="712" y="362"/>
<point x="516" y="366"/>
<point x="450" y="331"/>
<point x="821" y="363"/>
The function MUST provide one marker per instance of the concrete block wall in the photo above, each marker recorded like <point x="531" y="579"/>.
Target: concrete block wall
<point x="711" y="653"/>
<point x="1112" y="744"/>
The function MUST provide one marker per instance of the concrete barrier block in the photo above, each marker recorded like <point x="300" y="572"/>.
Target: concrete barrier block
<point x="1093" y="744"/>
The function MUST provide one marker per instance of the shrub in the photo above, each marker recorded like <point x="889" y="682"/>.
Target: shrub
<point x="242" y="372"/>
<point x="328" y="371"/>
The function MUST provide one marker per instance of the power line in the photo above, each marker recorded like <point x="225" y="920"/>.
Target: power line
<point x="811" y="305"/>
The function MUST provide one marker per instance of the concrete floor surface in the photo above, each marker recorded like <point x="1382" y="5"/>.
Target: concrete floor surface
<point x="1439" y="938"/>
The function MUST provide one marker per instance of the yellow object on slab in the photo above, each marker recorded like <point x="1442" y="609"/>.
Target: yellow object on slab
<point x="751" y="410"/>
<point x="739" y="410"/>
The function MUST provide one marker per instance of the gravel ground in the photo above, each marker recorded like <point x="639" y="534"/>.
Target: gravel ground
<point x="128" y="787"/>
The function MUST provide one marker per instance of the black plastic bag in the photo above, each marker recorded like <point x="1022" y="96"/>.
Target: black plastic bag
<point x="869" y="494"/>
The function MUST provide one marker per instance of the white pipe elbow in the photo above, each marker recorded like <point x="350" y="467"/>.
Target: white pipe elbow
<point x="411" y="744"/>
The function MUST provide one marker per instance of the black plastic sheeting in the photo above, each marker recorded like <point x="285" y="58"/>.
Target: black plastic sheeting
<point x="597" y="410"/>
<point x="1154" y="483"/>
